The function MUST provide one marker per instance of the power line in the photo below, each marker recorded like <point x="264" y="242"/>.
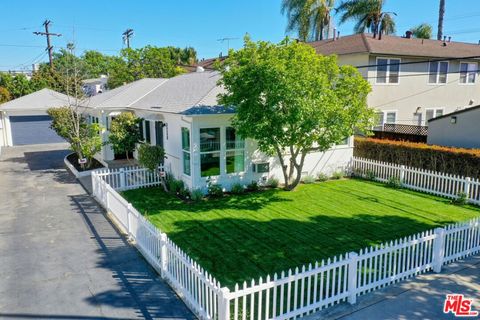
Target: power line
<point x="416" y="62"/>
<point x="47" y="34"/>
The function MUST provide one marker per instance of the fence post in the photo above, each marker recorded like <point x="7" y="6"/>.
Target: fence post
<point x="438" y="249"/>
<point x="105" y="194"/>
<point x="94" y="184"/>
<point x="129" y="213"/>
<point x="466" y="188"/>
<point x="402" y="174"/>
<point x="163" y="254"/>
<point x="223" y="304"/>
<point x="122" y="178"/>
<point x="352" y="277"/>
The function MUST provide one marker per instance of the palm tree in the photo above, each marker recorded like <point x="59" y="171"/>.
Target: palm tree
<point x="422" y="31"/>
<point x="441" y="14"/>
<point x="369" y="15"/>
<point x="310" y="18"/>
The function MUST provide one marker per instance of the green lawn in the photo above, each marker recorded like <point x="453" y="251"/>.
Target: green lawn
<point x="237" y="238"/>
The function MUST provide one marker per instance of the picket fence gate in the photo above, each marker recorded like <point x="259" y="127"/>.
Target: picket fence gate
<point x="290" y="294"/>
<point x="437" y="183"/>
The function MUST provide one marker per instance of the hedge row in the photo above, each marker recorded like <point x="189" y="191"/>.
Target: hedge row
<point x="464" y="162"/>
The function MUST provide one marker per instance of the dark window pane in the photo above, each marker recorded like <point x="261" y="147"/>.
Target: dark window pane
<point x="382" y="70"/>
<point x="147" y="131"/>
<point x="185" y="139"/>
<point x="235" y="161"/>
<point x="209" y="139"/>
<point x="394" y="71"/>
<point x="140" y="125"/>
<point x="210" y="164"/>
<point x="233" y="140"/>
<point x="433" y="72"/>
<point x="186" y="163"/>
<point x="442" y="77"/>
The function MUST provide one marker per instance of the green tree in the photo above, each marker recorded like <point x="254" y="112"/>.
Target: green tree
<point x="310" y="18"/>
<point x="293" y="101"/>
<point x="150" y="156"/>
<point x="4" y="95"/>
<point x="369" y="16"/>
<point x="125" y="133"/>
<point x="422" y="31"/>
<point x="17" y="85"/>
<point x="84" y="139"/>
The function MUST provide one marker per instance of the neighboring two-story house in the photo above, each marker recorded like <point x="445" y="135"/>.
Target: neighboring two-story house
<point x="413" y="80"/>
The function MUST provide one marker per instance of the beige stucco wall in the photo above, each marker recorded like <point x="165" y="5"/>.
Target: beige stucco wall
<point x="465" y="133"/>
<point x="413" y="92"/>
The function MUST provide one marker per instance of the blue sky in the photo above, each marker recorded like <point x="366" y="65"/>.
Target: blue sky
<point x="199" y="23"/>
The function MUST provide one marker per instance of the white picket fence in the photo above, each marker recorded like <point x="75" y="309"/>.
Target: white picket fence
<point x="290" y="294"/>
<point x="437" y="183"/>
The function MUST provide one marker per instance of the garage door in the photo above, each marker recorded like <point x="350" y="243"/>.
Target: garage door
<point x="32" y="130"/>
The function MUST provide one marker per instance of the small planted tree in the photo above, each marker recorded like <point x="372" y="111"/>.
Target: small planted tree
<point x="125" y="133"/>
<point x="150" y="157"/>
<point x="84" y="139"/>
<point x="293" y="101"/>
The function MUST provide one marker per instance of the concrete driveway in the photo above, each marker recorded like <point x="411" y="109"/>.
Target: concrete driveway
<point x="60" y="258"/>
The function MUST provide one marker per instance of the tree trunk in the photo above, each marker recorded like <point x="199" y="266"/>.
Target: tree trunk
<point x="441" y="14"/>
<point x="297" y="167"/>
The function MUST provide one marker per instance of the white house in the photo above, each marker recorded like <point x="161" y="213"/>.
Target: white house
<point x="24" y="120"/>
<point x="413" y="80"/>
<point x="457" y="129"/>
<point x="182" y="115"/>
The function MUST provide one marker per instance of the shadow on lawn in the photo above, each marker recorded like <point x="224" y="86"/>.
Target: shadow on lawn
<point x="237" y="250"/>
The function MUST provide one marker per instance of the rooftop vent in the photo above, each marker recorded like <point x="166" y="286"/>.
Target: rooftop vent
<point x="408" y="34"/>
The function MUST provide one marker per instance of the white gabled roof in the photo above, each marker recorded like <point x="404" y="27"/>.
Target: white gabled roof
<point x="40" y="100"/>
<point x="191" y="93"/>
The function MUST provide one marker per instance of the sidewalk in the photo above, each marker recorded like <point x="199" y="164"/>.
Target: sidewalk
<point x="418" y="298"/>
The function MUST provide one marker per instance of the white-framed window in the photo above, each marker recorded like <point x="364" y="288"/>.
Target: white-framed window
<point x="186" y="151"/>
<point x="438" y="72"/>
<point x="385" y="117"/>
<point x="468" y="72"/>
<point x="433" y="113"/>
<point x="210" y="152"/>
<point x="388" y="71"/>
<point x="235" y="151"/>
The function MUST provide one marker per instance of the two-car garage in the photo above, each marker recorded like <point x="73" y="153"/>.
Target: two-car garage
<point x="24" y="121"/>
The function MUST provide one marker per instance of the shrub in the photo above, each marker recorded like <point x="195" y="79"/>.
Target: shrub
<point x="464" y="162"/>
<point x="337" y="175"/>
<point x="215" y="190"/>
<point x="370" y="175"/>
<point x="272" y="182"/>
<point x="150" y="157"/>
<point x="322" y="177"/>
<point x="394" y="182"/>
<point x="253" y="186"/>
<point x="174" y="186"/>
<point x="184" y="193"/>
<point x="196" y="195"/>
<point x="308" y="179"/>
<point x="237" y="188"/>
<point x="461" y="199"/>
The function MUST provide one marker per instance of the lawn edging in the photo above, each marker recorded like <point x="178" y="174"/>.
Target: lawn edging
<point x="351" y="274"/>
<point x="74" y="171"/>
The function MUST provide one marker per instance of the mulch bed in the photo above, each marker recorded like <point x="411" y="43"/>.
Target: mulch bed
<point x="73" y="159"/>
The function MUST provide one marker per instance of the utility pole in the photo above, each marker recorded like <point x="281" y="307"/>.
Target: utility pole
<point x="441" y="14"/>
<point x="48" y="34"/>
<point x="126" y="36"/>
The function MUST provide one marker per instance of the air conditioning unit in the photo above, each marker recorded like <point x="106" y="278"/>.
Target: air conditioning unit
<point x="262" y="167"/>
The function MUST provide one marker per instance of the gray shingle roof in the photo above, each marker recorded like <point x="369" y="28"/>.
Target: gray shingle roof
<point x="191" y="93"/>
<point x="40" y="100"/>
<point x="393" y="45"/>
